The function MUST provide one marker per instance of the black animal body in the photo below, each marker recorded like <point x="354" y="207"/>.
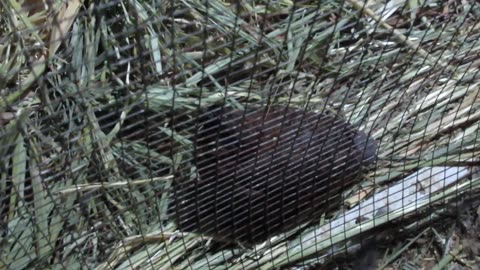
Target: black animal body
<point x="264" y="171"/>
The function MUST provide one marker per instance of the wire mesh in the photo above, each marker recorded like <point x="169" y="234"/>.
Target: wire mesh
<point x="215" y="134"/>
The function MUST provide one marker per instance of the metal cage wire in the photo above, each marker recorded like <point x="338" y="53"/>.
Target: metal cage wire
<point x="213" y="134"/>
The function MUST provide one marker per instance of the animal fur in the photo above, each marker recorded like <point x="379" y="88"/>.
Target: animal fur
<point x="264" y="171"/>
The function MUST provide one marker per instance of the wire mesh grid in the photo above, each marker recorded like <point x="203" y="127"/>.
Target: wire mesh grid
<point x="214" y="134"/>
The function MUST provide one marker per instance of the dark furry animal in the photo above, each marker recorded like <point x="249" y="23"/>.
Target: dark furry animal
<point x="265" y="171"/>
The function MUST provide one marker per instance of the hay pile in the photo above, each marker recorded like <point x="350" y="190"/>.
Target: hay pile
<point x="93" y="93"/>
